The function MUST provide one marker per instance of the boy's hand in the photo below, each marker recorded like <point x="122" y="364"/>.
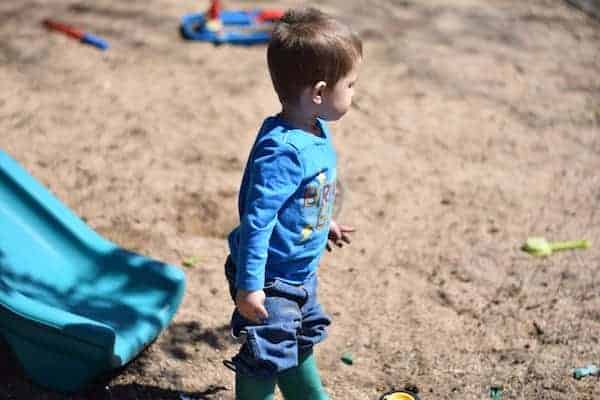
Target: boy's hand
<point x="252" y="305"/>
<point x="338" y="234"/>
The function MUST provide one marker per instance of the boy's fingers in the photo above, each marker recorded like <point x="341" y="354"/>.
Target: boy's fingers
<point x="328" y="247"/>
<point x="257" y="315"/>
<point x="336" y="229"/>
<point x="346" y="239"/>
<point x="346" y="228"/>
<point x="261" y="313"/>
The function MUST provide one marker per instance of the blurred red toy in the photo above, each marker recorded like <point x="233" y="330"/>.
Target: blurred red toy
<point x="270" y="15"/>
<point x="75" y="33"/>
<point x="214" y="10"/>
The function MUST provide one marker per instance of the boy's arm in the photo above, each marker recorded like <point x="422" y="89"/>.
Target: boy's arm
<point x="276" y="173"/>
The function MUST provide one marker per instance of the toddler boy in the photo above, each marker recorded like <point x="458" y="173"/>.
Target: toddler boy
<point x="285" y="205"/>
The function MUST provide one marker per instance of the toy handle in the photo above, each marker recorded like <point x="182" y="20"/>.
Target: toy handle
<point x="94" y="41"/>
<point x="571" y="244"/>
<point x="64" y="28"/>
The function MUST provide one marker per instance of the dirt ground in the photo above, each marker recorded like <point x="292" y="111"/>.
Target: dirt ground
<point x="476" y="124"/>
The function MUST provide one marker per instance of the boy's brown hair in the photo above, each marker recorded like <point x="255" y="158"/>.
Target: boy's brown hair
<point x="308" y="46"/>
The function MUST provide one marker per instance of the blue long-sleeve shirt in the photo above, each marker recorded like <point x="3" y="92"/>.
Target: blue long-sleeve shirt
<point x="285" y="205"/>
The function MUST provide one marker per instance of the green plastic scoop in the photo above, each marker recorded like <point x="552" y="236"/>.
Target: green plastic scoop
<point x="540" y="247"/>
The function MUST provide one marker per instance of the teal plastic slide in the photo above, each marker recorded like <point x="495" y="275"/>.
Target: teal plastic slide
<point x="73" y="305"/>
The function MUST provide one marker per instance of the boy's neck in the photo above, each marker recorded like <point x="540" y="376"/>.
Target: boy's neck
<point x="300" y="119"/>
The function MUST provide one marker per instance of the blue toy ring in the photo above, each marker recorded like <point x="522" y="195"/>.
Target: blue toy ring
<point x="238" y="27"/>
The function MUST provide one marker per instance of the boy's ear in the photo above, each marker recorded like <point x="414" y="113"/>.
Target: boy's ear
<point x="318" y="91"/>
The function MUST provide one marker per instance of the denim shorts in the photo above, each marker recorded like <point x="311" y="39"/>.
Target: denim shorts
<point x="296" y="322"/>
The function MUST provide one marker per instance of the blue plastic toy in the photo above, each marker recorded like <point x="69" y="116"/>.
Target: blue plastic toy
<point x="588" y="370"/>
<point x="234" y="27"/>
<point x="73" y="305"/>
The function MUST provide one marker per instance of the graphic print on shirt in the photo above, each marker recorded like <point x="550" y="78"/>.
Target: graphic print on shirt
<point x="318" y="202"/>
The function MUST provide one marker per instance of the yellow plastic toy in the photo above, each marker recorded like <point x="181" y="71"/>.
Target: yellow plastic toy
<point x="399" y="395"/>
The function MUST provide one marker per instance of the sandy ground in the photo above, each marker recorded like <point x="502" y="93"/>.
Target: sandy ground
<point x="476" y="124"/>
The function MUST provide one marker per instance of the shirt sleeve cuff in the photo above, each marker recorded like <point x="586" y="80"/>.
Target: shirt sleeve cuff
<point x="249" y="283"/>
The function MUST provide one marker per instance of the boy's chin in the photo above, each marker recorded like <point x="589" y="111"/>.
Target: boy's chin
<point x="332" y="118"/>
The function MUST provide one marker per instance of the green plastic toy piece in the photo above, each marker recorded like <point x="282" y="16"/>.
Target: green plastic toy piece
<point x="540" y="247"/>
<point x="496" y="392"/>
<point x="588" y="370"/>
<point x="347" y="358"/>
<point x="191" y="262"/>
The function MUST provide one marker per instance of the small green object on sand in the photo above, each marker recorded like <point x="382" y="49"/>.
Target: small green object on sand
<point x="588" y="370"/>
<point x="540" y="247"/>
<point x="347" y="358"/>
<point x="191" y="262"/>
<point x="496" y="392"/>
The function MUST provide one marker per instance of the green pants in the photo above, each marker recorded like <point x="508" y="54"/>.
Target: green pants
<point x="299" y="383"/>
